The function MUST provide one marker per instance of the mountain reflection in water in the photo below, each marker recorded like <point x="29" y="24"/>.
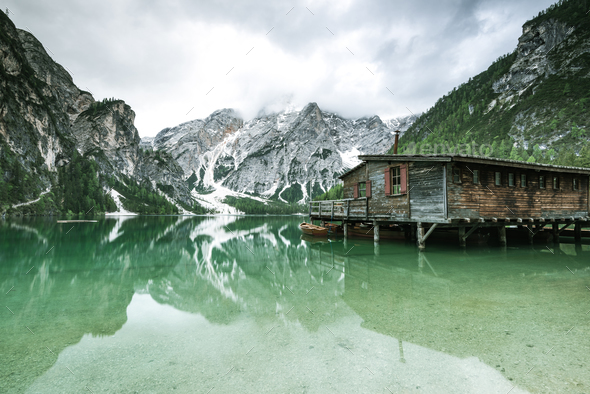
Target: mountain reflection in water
<point x="155" y="304"/>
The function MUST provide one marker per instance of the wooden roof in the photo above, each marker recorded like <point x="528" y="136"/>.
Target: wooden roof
<point x="469" y="159"/>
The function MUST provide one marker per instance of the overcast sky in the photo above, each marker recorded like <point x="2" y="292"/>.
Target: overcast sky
<point x="178" y="60"/>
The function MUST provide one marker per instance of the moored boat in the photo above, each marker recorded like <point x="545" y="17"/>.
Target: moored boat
<point x="319" y="231"/>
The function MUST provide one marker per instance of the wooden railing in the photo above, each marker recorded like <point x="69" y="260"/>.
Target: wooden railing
<point x="340" y="209"/>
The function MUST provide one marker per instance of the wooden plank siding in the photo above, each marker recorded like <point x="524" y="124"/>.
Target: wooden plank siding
<point x="351" y="179"/>
<point x="486" y="200"/>
<point x="393" y="206"/>
<point x="424" y="199"/>
<point x="426" y="190"/>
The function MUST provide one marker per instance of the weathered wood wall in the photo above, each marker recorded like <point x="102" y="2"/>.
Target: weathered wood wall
<point x="394" y="207"/>
<point x="486" y="200"/>
<point x="424" y="199"/>
<point x="359" y="175"/>
<point x="426" y="190"/>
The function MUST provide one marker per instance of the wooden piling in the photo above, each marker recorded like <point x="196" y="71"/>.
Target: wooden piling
<point x="578" y="232"/>
<point x="420" y="261"/>
<point x="420" y="236"/>
<point x="345" y="226"/>
<point x="375" y="231"/>
<point x="555" y="232"/>
<point x="531" y="234"/>
<point x="462" y="239"/>
<point x="376" y="249"/>
<point x="502" y="235"/>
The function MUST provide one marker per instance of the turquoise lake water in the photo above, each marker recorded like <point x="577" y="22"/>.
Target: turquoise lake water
<point x="231" y="304"/>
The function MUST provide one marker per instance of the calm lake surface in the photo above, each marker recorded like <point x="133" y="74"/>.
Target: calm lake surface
<point x="232" y="304"/>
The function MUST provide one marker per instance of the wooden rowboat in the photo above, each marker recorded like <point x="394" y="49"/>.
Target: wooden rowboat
<point x="319" y="231"/>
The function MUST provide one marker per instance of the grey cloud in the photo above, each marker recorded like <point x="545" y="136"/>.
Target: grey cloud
<point x="140" y="51"/>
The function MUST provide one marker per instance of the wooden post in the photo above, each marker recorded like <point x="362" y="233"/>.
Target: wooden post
<point x="345" y="230"/>
<point x="462" y="239"/>
<point x="347" y="208"/>
<point x="578" y="232"/>
<point x="531" y="234"/>
<point x="420" y="236"/>
<point x="420" y="261"/>
<point x="332" y="211"/>
<point x="375" y="231"/>
<point x="502" y="235"/>
<point x="555" y="232"/>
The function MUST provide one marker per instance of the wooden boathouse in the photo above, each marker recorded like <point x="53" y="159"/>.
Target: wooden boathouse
<point x="421" y="193"/>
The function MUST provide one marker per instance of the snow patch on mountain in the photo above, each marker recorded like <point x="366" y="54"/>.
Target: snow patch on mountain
<point x="121" y="211"/>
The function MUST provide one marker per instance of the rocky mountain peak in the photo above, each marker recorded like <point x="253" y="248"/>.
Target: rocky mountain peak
<point x="44" y="66"/>
<point x="224" y="120"/>
<point x="312" y="110"/>
<point x="374" y="121"/>
<point x="280" y="156"/>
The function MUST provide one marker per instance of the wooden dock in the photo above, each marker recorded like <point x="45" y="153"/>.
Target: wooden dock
<point x="355" y="211"/>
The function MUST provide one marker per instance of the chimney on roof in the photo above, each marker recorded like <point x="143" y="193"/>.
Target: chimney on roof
<point x="395" y="143"/>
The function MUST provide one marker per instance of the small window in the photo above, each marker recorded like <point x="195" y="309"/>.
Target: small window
<point x="498" y="178"/>
<point x="556" y="182"/>
<point x="510" y="179"/>
<point x="456" y="175"/>
<point x="362" y="189"/>
<point x="541" y="182"/>
<point x="576" y="184"/>
<point x="523" y="180"/>
<point x="476" y="176"/>
<point x="396" y="180"/>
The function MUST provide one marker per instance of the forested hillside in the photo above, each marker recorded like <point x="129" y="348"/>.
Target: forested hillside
<point x="80" y="190"/>
<point x="532" y="104"/>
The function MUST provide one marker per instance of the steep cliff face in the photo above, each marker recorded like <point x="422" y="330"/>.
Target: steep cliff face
<point x="45" y="118"/>
<point x="280" y="156"/>
<point x="34" y="131"/>
<point x="71" y="100"/>
<point x="106" y="132"/>
<point x="533" y="104"/>
<point x="109" y="129"/>
<point x="531" y="60"/>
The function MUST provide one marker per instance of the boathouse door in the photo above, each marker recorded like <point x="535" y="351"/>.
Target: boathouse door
<point x="427" y="190"/>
